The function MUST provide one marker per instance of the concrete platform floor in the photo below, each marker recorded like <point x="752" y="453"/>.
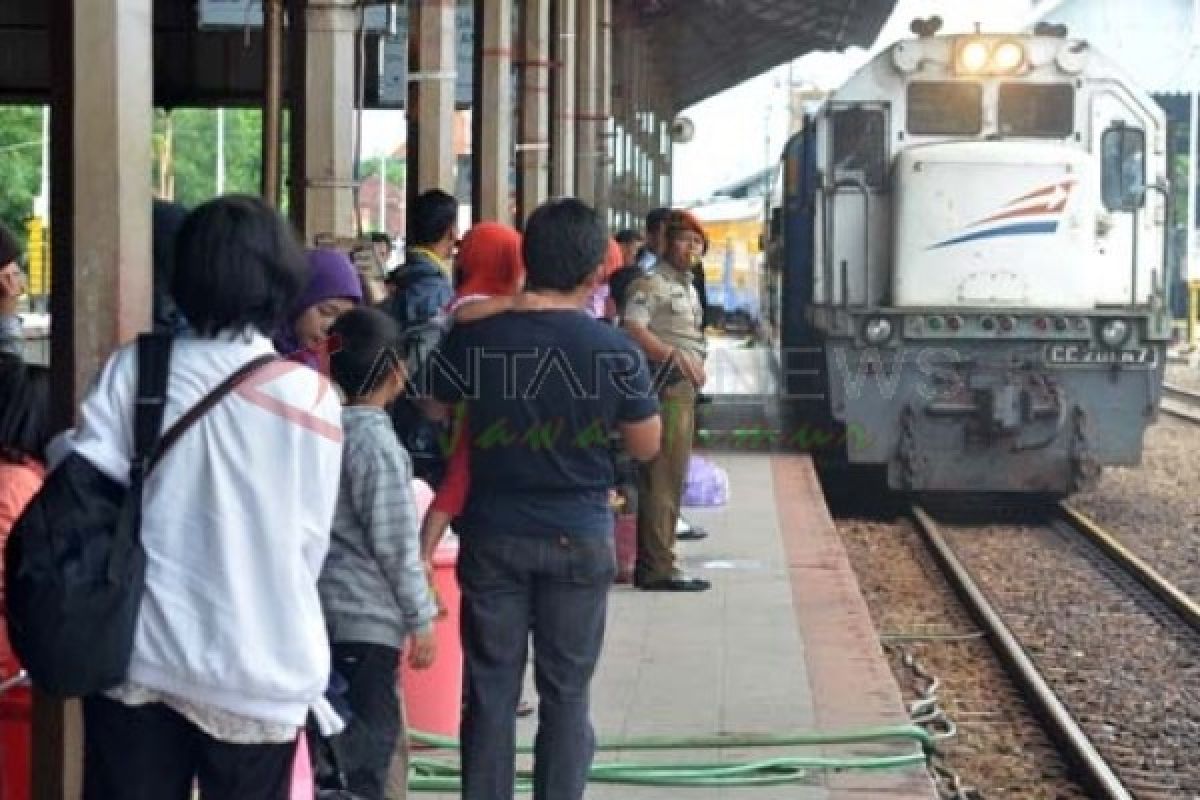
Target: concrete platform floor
<point x="782" y="643"/>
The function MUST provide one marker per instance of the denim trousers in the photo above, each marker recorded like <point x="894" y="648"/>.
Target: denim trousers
<point x="555" y="588"/>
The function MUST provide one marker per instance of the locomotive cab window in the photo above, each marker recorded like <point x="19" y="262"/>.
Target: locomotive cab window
<point x="1123" y="168"/>
<point x="1033" y="109"/>
<point x="859" y="140"/>
<point x="945" y="108"/>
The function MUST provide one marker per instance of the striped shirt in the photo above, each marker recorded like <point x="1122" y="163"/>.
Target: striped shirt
<point x="373" y="586"/>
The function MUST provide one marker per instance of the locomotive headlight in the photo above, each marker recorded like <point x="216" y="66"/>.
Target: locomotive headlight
<point x="877" y="330"/>
<point x="1007" y="57"/>
<point x="973" y="56"/>
<point x="1114" y="332"/>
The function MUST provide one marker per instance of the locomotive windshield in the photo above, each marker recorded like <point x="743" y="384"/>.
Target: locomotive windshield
<point x="859" y="142"/>
<point x="1031" y="109"/>
<point x="945" y="108"/>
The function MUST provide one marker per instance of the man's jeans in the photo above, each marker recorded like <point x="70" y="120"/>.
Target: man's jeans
<point x="556" y="587"/>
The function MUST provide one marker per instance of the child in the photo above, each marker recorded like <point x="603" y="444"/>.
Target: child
<point x="373" y="588"/>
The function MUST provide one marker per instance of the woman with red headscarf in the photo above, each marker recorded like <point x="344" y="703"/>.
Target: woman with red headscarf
<point x="489" y="273"/>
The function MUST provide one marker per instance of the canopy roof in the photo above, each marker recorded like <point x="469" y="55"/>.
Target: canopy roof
<point x="699" y="47"/>
<point x="702" y="47"/>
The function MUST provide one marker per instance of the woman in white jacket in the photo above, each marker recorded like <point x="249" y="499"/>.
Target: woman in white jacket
<point x="230" y="649"/>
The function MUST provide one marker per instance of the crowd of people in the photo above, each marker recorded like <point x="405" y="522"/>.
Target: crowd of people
<point x="288" y="561"/>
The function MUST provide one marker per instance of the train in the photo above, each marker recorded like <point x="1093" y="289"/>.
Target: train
<point x="963" y="282"/>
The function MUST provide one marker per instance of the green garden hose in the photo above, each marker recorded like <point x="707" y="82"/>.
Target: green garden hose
<point x="438" y="775"/>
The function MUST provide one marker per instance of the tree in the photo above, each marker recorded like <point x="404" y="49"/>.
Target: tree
<point x="20" y="164"/>
<point x="394" y="169"/>
<point x="192" y="152"/>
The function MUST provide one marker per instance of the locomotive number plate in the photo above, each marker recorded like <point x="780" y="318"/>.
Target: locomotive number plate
<point x="1081" y="355"/>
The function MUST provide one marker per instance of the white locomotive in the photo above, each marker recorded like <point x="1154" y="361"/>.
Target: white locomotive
<point x="964" y="273"/>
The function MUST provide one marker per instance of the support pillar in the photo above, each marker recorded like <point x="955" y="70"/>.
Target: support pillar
<point x="604" y="108"/>
<point x="101" y="115"/>
<point x="622" y="67"/>
<point x="533" y="146"/>
<point x="103" y="222"/>
<point x="639" y="131"/>
<point x="329" y="157"/>
<point x="562" y="99"/>
<point x="272" y="118"/>
<point x="492" y="116"/>
<point x="669" y="168"/>
<point x="586" y="96"/>
<point x="431" y="81"/>
<point x="297" y="92"/>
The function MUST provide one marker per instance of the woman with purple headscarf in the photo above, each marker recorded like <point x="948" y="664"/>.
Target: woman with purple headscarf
<point x="333" y="288"/>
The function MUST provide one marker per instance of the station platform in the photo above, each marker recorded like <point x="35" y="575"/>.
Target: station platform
<point x="782" y="643"/>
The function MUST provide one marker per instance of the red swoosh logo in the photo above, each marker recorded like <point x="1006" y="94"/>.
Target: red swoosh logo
<point x="249" y="389"/>
<point x="1057" y="196"/>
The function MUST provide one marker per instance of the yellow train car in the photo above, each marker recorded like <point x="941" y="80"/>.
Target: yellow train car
<point x="731" y="266"/>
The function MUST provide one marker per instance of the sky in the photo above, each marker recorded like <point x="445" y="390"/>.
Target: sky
<point x="730" y="143"/>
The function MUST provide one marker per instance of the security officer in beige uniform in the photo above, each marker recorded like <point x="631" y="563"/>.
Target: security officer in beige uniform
<point x="664" y="316"/>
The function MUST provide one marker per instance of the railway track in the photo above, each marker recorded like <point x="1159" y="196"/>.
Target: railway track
<point x="1181" y="402"/>
<point x="1107" y="652"/>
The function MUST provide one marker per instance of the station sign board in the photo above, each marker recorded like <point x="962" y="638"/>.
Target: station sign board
<point x="393" y="50"/>
<point x="393" y="79"/>
<point x="249" y="14"/>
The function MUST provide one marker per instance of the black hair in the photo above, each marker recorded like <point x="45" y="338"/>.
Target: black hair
<point x="237" y="265"/>
<point x="380" y="236"/>
<point x="433" y="213"/>
<point x="565" y="241"/>
<point x="10" y="248"/>
<point x="629" y="236"/>
<point x="24" y="410"/>
<point x="655" y="219"/>
<point x="365" y="351"/>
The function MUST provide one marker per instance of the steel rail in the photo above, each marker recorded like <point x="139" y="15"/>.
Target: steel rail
<point x="1181" y="391"/>
<point x="1143" y="573"/>
<point x="1094" y="770"/>
<point x="1181" y="413"/>
<point x="1174" y="392"/>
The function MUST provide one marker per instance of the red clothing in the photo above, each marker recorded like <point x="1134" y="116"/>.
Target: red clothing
<point x="451" y="497"/>
<point x="18" y="484"/>
<point x="490" y="265"/>
<point x="489" y="260"/>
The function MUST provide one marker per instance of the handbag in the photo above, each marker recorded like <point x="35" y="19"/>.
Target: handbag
<point x="74" y="563"/>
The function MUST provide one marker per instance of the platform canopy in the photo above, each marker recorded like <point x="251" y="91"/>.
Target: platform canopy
<point x="702" y="47"/>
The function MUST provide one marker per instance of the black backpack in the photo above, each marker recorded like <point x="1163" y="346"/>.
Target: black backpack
<point x="74" y="564"/>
